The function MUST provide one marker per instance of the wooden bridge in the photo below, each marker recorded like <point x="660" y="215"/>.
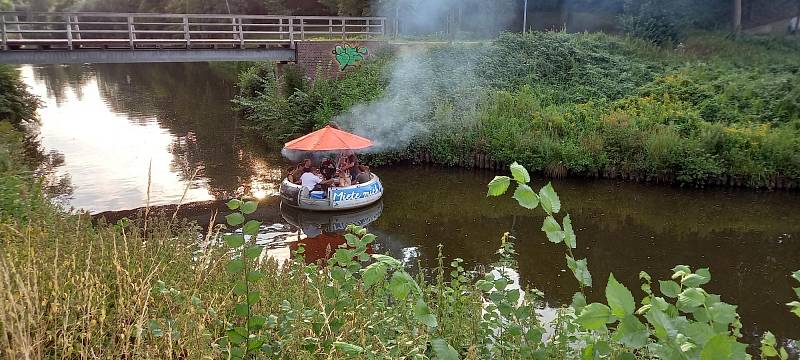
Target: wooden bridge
<point x="84" y="37"/>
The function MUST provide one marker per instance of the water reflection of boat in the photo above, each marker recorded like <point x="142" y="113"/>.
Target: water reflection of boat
<point x="324" y="231"/>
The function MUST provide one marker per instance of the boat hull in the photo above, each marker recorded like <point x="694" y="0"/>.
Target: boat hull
<point x="337" y="199"/>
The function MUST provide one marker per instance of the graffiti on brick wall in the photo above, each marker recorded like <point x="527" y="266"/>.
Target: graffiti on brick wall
<point x="348" y="55"/>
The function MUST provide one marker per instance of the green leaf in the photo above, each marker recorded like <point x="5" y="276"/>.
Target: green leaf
<point x="235" y="337"/>
<point x="768" y="343"/>
<point x="234" y="266"/>
<point x="352" y="239"/>
<point x="373" y="273"/>
<point x="240" y="288"/>
<point x="722" y="313"/>
<point x="253" y="252"/>
<point x="256" y="322"/>
<point x="680" y="271"/>
<point x="368" y="238"/>
<point x="249" y="207"/>
<point x="484" y="285"/>
<point x="669" y="288"/>
<point x="552" y="230"/>
<point x="578" y="302"/>
<point x="720" y="347"/>
<point x="388" y="260"/>
<point x="242" y="309"/>
<point x="580" y="270"/>
<point x="702" y="276"/>
<point x="498" y="185"/>
<point x="631" y="332"/>
<point x="500" y="284"/>
<point x="526" y="197"/>
<point x="443" y="350"/>
<point x="234" y="219"/>
<point x="796" y="275"/>
<point x="549" y="199"/>
<point x="619" y="298"/>
<point x="251" y="227"/>
<point x="399" y="285"/>
<point x="234" y="204"/>
<point x="520" y="173"/>
<point x="594" y="316"/>
<point x="253" y="297"/>
<point x="348" y="349"/>
<point x="254" y="276"/>
<point x="569" y="235"/>
<point x="233" y="240"/>
<point x="795" y="307"/>
<point x="690" y="299"/>
<point x="422" y="313"/>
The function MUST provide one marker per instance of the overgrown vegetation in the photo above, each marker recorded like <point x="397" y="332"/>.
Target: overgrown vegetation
<point x="713" y="110"/>
<point x="151" y="288"/>
<point x="20" y="192"/>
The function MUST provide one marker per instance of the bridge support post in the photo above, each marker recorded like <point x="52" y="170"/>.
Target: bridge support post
<point x="3" y="34"/>
<point x="77" y="28"/>
<point x="291" y="33"/>
<point x="69" y="32"/>
<point x="186" y="35"/>
<point x="131" y="33"/>
<point x="241" y="34"/>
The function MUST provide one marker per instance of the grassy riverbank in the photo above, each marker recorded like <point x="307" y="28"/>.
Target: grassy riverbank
<point x="155" y="289"/>
<point x="712" y="111"/>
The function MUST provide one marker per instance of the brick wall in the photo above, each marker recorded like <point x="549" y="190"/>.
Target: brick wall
<point x="317" y="57"/>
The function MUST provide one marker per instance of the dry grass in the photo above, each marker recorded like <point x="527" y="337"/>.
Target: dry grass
<point x="72" y="290"/>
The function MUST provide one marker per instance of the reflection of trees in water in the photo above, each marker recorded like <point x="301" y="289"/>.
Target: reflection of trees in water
<point x="191" y="101"/>
<point x="59" y="79"/>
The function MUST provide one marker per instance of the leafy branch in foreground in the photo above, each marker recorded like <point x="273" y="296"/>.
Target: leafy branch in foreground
<point x="684" y="321"/>
<point x="245" y="337"/>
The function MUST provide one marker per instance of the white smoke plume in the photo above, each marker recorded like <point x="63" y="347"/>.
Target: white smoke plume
<point x="419" y="82"/>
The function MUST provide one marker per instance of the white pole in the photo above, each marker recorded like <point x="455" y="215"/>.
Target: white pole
<point x="525" y="18"/>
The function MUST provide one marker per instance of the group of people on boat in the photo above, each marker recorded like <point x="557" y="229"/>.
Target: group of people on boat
<point x="345" y="171"/>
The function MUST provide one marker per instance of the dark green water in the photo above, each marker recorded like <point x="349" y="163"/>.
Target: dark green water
<point x="112" y="123"/>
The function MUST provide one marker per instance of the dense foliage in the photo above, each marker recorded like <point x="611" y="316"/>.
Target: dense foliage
<point x="19" y="153"/>
<point x="713" y="110"/>
<point x="17" y="105"/>
<point x="153" y="288"/>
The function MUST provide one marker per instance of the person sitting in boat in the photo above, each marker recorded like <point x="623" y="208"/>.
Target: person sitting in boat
<point x="363" y="175"/>
<point x="353" y="167"/>
<point x="313" y="182"/>
<point x="327" y="168"/>
<point x="344" y="179"/>
<point x="295" y="174"/>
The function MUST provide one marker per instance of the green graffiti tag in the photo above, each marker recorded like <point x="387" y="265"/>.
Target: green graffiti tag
<point x="347" y="55"/>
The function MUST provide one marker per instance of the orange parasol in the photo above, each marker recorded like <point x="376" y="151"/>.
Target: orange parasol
<point x="328" y="139"/>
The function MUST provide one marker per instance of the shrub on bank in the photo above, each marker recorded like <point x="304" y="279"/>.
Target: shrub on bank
<point x="713" y="111"/>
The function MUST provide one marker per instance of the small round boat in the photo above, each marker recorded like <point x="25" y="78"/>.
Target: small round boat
<point x="335" y="199"/>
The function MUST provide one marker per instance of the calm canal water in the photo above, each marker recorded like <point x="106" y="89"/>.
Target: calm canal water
<point x="114" y="124"/>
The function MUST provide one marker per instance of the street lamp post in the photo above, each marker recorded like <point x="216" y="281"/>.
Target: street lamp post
<point x="525" y="17"/>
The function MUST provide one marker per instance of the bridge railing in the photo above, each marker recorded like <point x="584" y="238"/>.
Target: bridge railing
<point x="26" y="30"/>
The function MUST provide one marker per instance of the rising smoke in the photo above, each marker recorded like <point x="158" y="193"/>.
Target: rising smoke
<point x="422" y="78"/>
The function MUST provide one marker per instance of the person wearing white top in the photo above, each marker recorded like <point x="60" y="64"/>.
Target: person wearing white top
<point x="310" y="180"/>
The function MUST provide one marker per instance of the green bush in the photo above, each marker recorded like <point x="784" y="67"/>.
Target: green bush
<point x="17" y="105"/>
<point x="651" y="20"/>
